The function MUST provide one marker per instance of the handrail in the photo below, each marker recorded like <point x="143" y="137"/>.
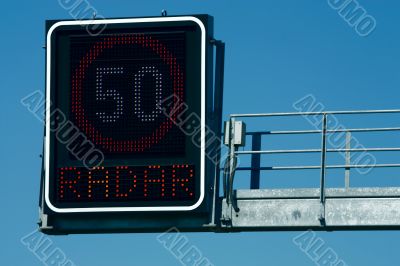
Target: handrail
<point x="264" y="168"/>
<point x="318" y="113"/>
<point x="318" y="150"/>
<point x="276" y="132"/>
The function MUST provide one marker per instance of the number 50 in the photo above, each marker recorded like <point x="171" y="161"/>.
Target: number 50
<point x="102" y="94"/>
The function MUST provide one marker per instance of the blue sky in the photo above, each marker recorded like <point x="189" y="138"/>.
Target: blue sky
<point x="277" y="52"/>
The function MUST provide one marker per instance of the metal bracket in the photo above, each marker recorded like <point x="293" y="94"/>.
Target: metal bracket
<point x="230" y="174"/>
<point x="43" y="221"/>
<point x="216" y="120"/>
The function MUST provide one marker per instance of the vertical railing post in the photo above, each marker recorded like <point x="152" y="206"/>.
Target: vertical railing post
<point x="348" y="160"/>
<point x="255" y="161"/>
<point x="231" y="159"/>
<point x="323" y="162"/>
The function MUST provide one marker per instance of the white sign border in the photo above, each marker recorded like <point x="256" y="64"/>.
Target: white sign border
<point x="48" y="101"/>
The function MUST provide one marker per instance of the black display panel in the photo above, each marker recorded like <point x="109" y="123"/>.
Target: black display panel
<point x="134" y="92"/>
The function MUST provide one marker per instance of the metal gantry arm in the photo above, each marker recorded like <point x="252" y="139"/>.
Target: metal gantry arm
<point x="303" y="208"/>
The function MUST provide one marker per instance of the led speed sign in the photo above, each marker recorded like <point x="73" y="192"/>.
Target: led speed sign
<point x="125" y="106"/>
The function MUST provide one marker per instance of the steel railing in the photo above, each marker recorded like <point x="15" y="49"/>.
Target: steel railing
<point x="256" y="151"/>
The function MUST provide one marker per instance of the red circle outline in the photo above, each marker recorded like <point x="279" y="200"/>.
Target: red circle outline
<point x="84" y="124"/>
